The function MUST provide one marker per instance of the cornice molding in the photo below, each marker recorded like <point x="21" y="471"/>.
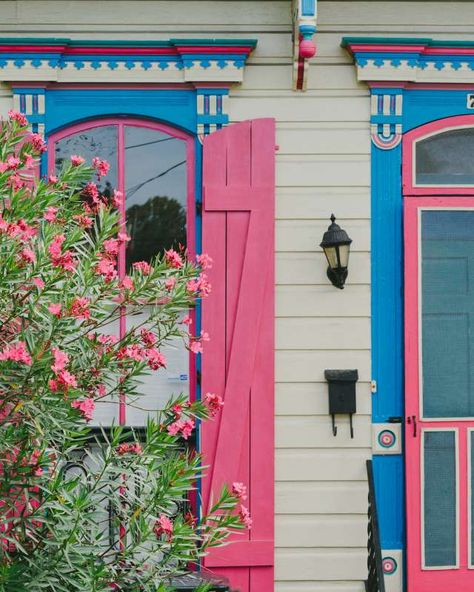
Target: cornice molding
<point x="168" y="62"/>
<point x="412" y="60"/>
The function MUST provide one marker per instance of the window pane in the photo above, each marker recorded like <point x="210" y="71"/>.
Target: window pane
<point x="447" y="305"/>
<point x="158" y="386"/>
<point x="446" y="159"/>
<point x="439" y="497"/>
<point x="98" y="141"/>
<point x="155" y="190"/>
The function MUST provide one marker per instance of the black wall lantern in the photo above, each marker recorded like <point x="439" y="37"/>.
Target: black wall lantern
<point x="336" y="245"/>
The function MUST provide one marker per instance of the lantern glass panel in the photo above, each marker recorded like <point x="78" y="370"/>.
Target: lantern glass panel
<point x="331" y="256"/>
<point x="344" y="255"/>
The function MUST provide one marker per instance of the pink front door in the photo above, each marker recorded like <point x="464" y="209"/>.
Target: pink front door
<point x="439" y="386"/>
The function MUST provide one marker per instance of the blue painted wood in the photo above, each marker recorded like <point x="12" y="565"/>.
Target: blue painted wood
<point x="423" y="106"/>
<point x="387" y="295"/>
<point x="67" y="106"/>
<point x="387" y="332"/>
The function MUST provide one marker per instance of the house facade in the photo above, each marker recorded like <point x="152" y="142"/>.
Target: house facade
<point x="220" y="109"/>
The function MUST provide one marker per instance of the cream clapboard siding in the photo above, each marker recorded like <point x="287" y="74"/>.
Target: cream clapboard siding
<point x="323" y="166"/>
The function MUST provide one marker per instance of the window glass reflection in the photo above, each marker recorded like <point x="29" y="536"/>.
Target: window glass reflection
<point x="155" y="190"/>
<point x="98" y="141"/>
<point x="446" y="158"/>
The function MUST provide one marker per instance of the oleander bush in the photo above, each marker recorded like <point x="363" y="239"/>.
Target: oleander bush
<point x="120" y="525"/>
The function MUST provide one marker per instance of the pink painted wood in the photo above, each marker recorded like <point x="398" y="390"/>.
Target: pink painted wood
<point x="238" y="233"/>
<point x="419" y="580"/>
<point x="409" y="142"/>
<point x="120" y="124"/>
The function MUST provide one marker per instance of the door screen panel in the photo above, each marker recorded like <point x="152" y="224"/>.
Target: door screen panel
<point x="447" y="306"/>
<point x="439" y="498"/>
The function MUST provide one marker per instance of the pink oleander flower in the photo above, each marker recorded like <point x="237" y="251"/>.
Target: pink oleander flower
<point x="101" y="390"/>
<point x="13" y="163"/>
<point x="28" y="255"/>
<point x="213" y="402"/>
<point x="195" y="345"/>
<point x="170" y="283"/>
<point x="148" y="337"/>
<point x="129" y="448"/>
<point x="83" y="220"/>
<point x="16" y="182"/>
<point x="61" y="359"/>
<point x="204" y="261"/>
<point x="173" y="259"/>
<point x="142" y="266"/>
<point x="187" y="428"/>
<point x="199" y="286"/>
<point x="66" y="379"/>
<point x="16" y="353"/>
<point x="123" y="237"/>
<point x="20" y="118"/>
<point x="30" y="161"/>
<point x="80" y="308"/>
<point x="38" y="282"/>
<point x="187" y="320"/>
<point x="239" y="490"/>
<point x="55" y="309"/>
<point x="180" y="426"/>
<point x="77" y="160"/>
<point x="64" y="260"/>
<point x="55" y="248"/>
<point x="163" y="526"/>
<point x="111" y="246"/>
<point x="50" y="214"/>
<point x="107" y="339"/>
<point x="106" y="268"/>
<point x="177" y="410"/>
<point x="127" y="283"/>
<point x="52" y="179"/>
<point x="117" y="198"/>
<point x="101" y="166"/>
<point x="90" y="191"/>
<point x="85" y="406"/>
<point x="155" y="359"/>
<point x="244" y="516"/>
<point x="21" y="230"/>
<point x="131" y="352"/>
<point x="37" y="142"/>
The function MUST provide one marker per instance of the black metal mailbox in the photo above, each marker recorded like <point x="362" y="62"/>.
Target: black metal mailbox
<point x="342" y="394"/>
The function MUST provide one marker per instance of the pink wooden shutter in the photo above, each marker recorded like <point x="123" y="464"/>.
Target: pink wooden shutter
<point x="238" y="233"/>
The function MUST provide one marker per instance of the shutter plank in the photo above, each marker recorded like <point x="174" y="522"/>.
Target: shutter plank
<point x="238" y="446"/>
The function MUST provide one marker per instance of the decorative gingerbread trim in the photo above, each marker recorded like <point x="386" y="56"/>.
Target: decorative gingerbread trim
<point x="422" y="61"/>
<point x="31" y="102"/>
<point x="304" y="48"/>
<point x="392" y="567"/>
<point x="173" y="61"/>
<point x="386" y="118"/>
<point x="212" y="110"/>
<point x="386" y="438"/>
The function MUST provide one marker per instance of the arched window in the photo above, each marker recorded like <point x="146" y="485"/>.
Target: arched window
<point x="152" y="165"/>
<point x="438" y="158"/>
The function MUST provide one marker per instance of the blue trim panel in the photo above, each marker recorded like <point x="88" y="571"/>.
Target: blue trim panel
<point x="174" y="107"/>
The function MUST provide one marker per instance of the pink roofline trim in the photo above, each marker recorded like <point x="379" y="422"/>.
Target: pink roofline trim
<point x="387" y="48"/>
<point x="409" y="140"/>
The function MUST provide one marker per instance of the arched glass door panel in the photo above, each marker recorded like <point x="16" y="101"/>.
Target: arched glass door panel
<point x="150" y="164"/>
<point x="446" y="158"/>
